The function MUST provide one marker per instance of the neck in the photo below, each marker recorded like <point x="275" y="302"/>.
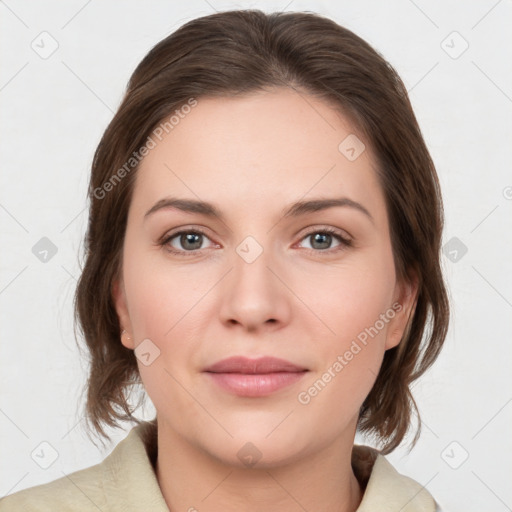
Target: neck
<point x="192" y="479"/>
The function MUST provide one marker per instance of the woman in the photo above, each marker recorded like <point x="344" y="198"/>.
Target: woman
<point x="263" y="255"/>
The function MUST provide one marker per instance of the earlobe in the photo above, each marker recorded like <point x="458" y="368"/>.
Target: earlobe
<point x="404" y="306"/>
<point x="127" y="340"/>
<point x="119" y="298"/>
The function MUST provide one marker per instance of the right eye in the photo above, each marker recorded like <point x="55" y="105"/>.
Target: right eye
<point x="184" y="241"/>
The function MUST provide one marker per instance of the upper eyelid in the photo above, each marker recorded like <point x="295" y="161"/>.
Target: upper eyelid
<point x="307" y="230"/>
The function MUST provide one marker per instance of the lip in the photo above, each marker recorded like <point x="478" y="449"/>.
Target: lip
<point x="240" y="364"/>
<point x="254" y="377"/>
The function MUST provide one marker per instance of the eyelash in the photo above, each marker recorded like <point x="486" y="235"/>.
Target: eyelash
<point x="345" y="242"/>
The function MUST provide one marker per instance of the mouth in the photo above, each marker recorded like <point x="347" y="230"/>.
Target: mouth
<point x="254" y="377"/>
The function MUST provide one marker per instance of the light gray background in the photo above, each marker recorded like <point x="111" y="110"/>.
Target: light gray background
<point x="54" y="112"/>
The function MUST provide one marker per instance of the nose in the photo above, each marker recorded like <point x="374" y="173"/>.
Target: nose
<point x="253" y="294"/>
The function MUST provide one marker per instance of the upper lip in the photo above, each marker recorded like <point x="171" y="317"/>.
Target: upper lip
<point x="240" y="364"/>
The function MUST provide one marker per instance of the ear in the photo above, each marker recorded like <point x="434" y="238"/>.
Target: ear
<point x="404" y="305"/>
<point x="119" y="297"/>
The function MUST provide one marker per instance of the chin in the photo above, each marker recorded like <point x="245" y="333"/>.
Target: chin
<point x="258" y="445"/>
<point x="255" y="454"/>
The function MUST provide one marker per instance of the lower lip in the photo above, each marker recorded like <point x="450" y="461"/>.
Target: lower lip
<point x="254" y="385"/>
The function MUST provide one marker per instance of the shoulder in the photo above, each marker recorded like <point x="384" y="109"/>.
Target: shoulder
<point x="78" y="491"/>
<point x="124" y="480"/>
<point x="386" y="489"/>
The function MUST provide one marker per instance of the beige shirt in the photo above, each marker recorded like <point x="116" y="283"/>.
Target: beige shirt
<point x="126" y="481"/>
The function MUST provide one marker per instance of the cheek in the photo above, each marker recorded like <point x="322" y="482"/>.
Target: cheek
<point x="163" y="303"/>
<point x="348" y="360"/>
<point x="159" y="294"/>
<point x="356" y="306"/>
<point x="161" y="312"/>
<point x="355" y="299"/>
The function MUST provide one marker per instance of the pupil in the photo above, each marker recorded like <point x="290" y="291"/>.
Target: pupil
<point x="321" y="237"/>
<point x="185" y="239"/>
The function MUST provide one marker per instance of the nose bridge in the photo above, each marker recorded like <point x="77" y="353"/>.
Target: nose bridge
<point x="253" y="295"/>
<point x="251" y="272"/>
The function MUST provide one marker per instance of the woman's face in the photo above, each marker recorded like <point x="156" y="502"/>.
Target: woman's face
<point x="257" y="282"/>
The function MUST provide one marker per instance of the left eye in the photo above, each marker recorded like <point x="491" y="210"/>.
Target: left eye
<point x="322" y="239"/>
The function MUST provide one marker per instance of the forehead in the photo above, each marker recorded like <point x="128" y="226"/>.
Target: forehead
<point x="258" y="151"/>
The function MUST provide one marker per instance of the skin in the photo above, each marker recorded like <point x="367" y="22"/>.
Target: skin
<point x="252" y="156"/>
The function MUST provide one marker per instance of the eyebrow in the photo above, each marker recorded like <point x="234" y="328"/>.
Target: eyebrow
<point x="295" y="210"/>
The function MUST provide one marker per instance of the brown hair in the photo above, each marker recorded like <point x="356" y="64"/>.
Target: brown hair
<point x="237" y="52"/>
